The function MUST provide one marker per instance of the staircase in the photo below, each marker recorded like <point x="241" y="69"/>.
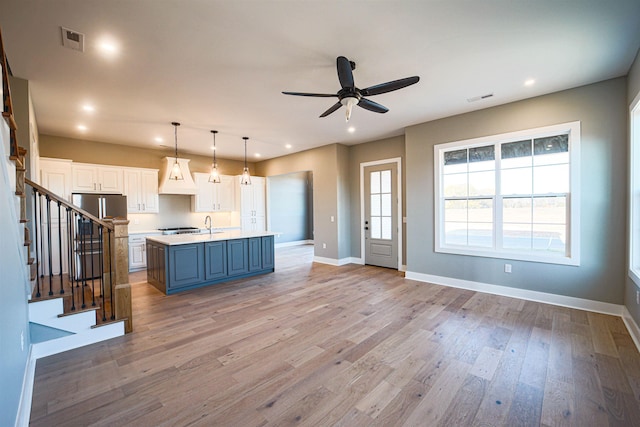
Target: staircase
<point x="72" y="302"/>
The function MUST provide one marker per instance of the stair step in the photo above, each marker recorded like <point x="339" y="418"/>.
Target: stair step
<point x="109" y="322"/>
<point x="27" y="243"/>
<point x="33" y="273"/>
<point x="31" y="261"/>
<point x="80" y="310"/>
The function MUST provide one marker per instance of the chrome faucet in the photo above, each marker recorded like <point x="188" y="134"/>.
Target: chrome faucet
<point x="208" y="223"/>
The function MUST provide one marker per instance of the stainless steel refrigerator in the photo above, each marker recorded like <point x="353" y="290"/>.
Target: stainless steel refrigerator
<point x="88" y="246"/>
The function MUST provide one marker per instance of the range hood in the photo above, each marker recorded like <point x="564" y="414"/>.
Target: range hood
<point x="171" y="186"/>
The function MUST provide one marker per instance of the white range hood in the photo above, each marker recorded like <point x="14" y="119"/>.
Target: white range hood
<point x="172" y="186"/>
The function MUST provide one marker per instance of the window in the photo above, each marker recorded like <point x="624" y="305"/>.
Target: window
<point x="510" y="196"/>
<point x="634" y="193"/>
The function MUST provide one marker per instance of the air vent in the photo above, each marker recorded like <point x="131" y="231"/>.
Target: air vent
<point x="478" y="98"/>
<point x="72" y="39"/>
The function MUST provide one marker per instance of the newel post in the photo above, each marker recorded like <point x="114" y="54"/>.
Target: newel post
<point x="122" y="291"/>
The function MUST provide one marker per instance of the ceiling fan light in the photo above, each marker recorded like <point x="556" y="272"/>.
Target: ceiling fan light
<point x="349" y="102"/>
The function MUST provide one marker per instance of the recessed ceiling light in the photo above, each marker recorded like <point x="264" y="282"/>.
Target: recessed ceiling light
<point x="81" y="128"/>
<point x="213" y="148"/>
<point x="108" y="47"/>
<point x="287" y="146"/>
<point x="258" y="155"/>
<point x="351" y="129"/>
<point x="158" y="139"/>
<point x="529" y="82"/>
<point x="88" y="108"/>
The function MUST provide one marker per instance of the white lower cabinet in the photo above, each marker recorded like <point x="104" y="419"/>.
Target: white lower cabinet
<point x="138" y="251"/>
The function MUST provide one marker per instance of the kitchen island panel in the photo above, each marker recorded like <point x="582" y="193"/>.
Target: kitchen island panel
<point x="186" y="265"/>
<point x="215" y="260"/>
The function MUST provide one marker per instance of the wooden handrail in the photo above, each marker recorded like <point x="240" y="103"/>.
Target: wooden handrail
<point x="7" y="104"/>
<point x="56" y="198"/>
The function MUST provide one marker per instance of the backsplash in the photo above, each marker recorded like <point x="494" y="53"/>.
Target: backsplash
<point x="175" y="211"/>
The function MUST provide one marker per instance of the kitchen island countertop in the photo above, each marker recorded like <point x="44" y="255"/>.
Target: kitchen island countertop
<point x="185" y="239"/>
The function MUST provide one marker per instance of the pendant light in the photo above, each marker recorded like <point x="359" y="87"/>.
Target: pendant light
<point x="176" y="172"/>
<point x="214" y="176"/>
<point x="246" y="178"/>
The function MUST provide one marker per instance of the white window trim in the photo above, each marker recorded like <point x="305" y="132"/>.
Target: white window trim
<point x="634" y="191"/>
<point x="573" y="202"/>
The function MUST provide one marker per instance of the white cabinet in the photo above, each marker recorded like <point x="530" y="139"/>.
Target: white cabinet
<point x="55" y="175"/>
<point x="88" y="178"/>
<point x="211" y="197"/>
<point x="252" y="204"/>
<point x="141" y="189"/>
<point x="138" y="251"/>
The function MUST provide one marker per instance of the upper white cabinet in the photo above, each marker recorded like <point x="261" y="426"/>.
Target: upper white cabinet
<point x="88" y="178"/>
<point x="252" y="204"/>
<point x="141" y="189"/>
<point x="211" y="197"/>
<point x="55" y="175"/>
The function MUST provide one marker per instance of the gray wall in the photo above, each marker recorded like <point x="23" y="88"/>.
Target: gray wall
<point x="327" y="173"/>
<point x="289" y="203"/>
<point x="633" y="89"/>
<point x="602" y="110"/>
<point x="14" y="319"/>
<point x="377" y="150"/>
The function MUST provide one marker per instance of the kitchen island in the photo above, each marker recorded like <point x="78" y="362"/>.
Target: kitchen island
<point x="179" y="262"/>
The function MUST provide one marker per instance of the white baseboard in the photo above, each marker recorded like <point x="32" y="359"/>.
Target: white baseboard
<point x="295" y="243"/>
<point x="632" y="326"/>
<point x="26" y="397"/>
<point x="561" y="300"/>
<point x="337" y="262"/>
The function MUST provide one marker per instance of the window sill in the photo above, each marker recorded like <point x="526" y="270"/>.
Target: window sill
<point x="561" y="260"/>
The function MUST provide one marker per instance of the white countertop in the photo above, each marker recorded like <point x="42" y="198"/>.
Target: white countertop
<point x="185" y="239"/>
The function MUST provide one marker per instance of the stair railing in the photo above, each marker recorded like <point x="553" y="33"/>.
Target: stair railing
<point x="80" y="254"/>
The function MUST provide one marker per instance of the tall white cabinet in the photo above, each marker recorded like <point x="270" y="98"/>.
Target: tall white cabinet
<point x="89" y="178"/>
<point x="211" y="197"/>
<point x="252" y="204"/>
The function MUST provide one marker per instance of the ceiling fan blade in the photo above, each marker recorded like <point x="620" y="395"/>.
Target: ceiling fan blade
<point x="389" y="86"/>
<point x="333" y="108"/>
<point x="372" y="106"/>
<point x="345" y="75"/>
<point x="322" y="95"/>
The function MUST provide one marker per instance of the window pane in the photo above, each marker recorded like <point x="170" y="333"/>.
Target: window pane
<point x="375" y="182"/>
<point x="551" y="144"/>
<point x="551" y="159"/>
<point x="482" y="183"/>
<point x="480" y="234"/>
<point x="455" y="233"/>
<point x="375" y="228"/>
<point x="550" y="210"/>
<point x="516" y="210"/>
<point x="549" y="238"/>
<point x="386" y="227"/>
<point x="551" y="179"/>
<point x="480" y="210"/>
<point x="385" y="179"/>
<point x="455" y="210"/>
<point x="375" y="205"/>
<point x="455" y="185"/>
<point x="482" y="158"/>
<point x="455" y="157"/>
<point x="386" y="205"/>
<point x="516" y="236"/>
<point x="516" y="181"/>
<point x="512" y="150"/>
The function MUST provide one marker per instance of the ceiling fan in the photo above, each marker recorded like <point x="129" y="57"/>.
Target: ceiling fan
<point x="350" y="95"/>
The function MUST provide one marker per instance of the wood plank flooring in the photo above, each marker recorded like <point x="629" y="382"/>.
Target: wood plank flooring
<point x="318" y="345"/>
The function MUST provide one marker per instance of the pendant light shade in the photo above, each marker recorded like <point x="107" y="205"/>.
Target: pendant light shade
<point x="176" y="172"/>
<point x="214" y="176"/>
<point x="246" y="177"/>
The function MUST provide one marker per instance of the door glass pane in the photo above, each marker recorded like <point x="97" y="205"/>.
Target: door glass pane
<point x="385" y="181"/>
<point x="375" y="182"/>
<point x="386" y="205"/>
<point x="376" y="233"/>
<point x="386" y="227"/>
<point x="375" y="205"/>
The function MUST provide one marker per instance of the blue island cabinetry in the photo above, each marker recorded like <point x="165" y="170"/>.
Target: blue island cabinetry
<point x="177" y="267"/>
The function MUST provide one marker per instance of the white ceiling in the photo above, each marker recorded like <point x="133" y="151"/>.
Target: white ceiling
<point x="223" y="64"/>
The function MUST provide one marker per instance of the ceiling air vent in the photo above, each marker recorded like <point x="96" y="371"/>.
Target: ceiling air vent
<point x="72" y="39"/>
<point x="478" y="98"/>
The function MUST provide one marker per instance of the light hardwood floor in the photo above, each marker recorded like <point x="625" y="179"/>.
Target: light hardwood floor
<point x="313" y="344"/>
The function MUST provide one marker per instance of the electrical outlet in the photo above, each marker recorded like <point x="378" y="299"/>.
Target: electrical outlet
<point x="507" y="268"/>
<point x="332" y="218"/>
<point x="324" y="246"/>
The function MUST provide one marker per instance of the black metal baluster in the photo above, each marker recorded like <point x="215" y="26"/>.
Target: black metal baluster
<point x="113" y="313"/>
<point x="83" y="261"/>
<point x="93" y="275"/>
<point x="102" y="295"/>
<point x="50" y="256"/>
<point x="70" y="221"/>
<point x="60" y="246"/>
<point x="36" y="226"/>
<point x="41" y="241"/>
